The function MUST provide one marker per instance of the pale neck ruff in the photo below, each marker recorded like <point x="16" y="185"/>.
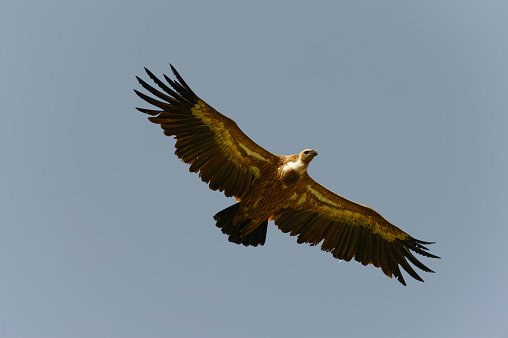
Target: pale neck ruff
<point x="299" y="167"/>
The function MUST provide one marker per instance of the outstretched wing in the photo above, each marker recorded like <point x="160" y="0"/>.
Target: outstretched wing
<point x="348" y="230"/>
<point x="210" y="142"/>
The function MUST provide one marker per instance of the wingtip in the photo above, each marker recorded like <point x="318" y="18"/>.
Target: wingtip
<point x="426" y="243"/>
<point x="401" y="280"/>
<point x="173" y="69"/>
<point x="150" y="74"/>
<point x="171" y="82"/>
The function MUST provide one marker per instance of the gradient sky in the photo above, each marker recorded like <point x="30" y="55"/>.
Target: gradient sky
<point x="105" y="233"/>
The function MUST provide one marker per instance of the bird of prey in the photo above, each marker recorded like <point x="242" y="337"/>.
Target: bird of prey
<point x="270" y="187"/>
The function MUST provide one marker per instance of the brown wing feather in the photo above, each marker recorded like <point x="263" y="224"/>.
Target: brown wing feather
<point x="210" y="142"/>
<point x="348" y="230"/>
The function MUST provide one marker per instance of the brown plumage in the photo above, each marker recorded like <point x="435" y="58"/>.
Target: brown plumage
<point x="274" y="187"/>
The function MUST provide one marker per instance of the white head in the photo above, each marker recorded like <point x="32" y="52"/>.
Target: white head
<point x="307" y="155"/>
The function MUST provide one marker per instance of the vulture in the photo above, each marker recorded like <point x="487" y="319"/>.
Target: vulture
<point x="270" y="187"/>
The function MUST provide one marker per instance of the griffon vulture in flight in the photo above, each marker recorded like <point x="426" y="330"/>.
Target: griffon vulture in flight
<point x="271" y="187"/>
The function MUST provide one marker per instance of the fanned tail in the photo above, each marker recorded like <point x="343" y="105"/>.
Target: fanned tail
<point x="224" y="220"/>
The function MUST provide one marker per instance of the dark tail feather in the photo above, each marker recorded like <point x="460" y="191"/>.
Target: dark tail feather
<point x="224" y="220"/>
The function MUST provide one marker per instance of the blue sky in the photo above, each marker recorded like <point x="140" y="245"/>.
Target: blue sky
<point x="104" y="233"/>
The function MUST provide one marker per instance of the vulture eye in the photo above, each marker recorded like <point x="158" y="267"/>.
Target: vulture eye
<point x="306" y="152"/>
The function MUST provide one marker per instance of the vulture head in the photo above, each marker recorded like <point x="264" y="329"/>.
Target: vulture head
<point x="307" y="155"/>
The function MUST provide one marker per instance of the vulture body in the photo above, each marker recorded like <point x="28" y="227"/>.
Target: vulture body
<point x="274" y="187"/>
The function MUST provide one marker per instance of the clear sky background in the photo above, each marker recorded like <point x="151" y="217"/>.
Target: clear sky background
<point x="105" y="233"/>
